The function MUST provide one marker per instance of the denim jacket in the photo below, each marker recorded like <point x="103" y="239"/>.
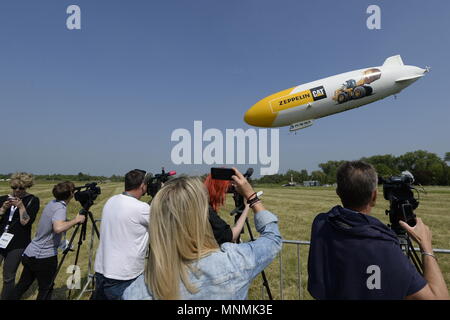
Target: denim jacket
<point x="228" y="273"/>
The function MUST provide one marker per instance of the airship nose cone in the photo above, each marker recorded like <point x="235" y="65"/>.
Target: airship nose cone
<point x="252" y="115"/>
<point x="260" y="115"/>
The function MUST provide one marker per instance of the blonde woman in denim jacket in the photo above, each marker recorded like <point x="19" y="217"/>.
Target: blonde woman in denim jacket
<point x="185" y="261"/>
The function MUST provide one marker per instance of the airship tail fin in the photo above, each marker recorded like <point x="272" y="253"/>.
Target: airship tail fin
<point x="393" y="61"/>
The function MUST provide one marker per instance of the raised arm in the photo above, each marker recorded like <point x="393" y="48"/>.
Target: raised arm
<point x="60" y="226"/>
<point x="258" y="254"/>
<point x="27" y="213"/>
<point x="239" y="225"/>
<point x="436" y="289"/>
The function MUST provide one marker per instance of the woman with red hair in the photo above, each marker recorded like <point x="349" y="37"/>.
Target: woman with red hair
<point x="217" y="190"/>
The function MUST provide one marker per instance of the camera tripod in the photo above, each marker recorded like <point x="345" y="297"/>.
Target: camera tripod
<point x="90" y="276"/>
<point x="82" y="236"/>
<point x="238" y="211"/>
<point x="263" y="274"/>
<point x="403" y="209"/>
<point x="408" y="248"/>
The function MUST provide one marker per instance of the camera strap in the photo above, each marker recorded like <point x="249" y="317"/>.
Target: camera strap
<point x="63" y="202"/>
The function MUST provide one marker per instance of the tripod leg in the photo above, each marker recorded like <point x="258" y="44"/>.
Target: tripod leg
<point x="62" y="260"/>
<point x="414" y="257"/>
<point x="91" y="277"/>
<point x="91" y="217"/>
<point x="263" y="274"/>
<point x="88" y="282"/>
<point x="416" y="263"/>
<point x="80" y="242"/>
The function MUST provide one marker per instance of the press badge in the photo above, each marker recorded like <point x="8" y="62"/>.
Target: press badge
<point x="5" y="239"/>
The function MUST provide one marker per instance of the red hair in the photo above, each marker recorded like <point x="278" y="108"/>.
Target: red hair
<point x="217" y="190"/>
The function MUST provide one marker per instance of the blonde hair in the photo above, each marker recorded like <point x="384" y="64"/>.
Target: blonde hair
<point x="180" y="233"/>
<point x="22" y="179"/>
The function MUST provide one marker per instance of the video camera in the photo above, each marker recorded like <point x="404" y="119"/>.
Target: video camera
<point x="398" y="191"/>
<point x="86" y="197"/>
<point x="154" y="182"/>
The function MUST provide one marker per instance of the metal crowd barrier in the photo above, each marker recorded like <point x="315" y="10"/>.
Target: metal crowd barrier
<point x="299" y="271"/>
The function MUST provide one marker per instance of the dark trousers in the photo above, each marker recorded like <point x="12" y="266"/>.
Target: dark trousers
<point x="109" y="289"/>
<point x="41" y="269"/>
<point x="11" y="260"/>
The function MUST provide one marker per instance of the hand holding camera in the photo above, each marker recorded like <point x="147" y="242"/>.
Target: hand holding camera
<point x="420" y="233"/>
<point x="243" y="187"/>
<point x="7" y="204"/>
<point x="16" y="202"/>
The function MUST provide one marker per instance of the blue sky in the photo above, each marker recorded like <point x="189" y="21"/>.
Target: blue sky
<point x="105" y="99"/>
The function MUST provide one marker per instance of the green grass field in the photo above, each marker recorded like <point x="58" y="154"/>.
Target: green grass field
<point x="296" y="208"/>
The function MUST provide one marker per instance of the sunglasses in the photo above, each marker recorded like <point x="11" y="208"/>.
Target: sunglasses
<point x="16" y="187"/>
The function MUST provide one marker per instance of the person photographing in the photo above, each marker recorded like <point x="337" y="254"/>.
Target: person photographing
<point x="18" y="211"/>
<point x="40" y="257"/>
<point x="185" y="261"/>
<point x="123" y="243"/>
<point x="223" y="232"/>
<point x="355" y="256"/>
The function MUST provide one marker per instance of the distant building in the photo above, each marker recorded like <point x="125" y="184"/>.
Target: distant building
<point x="311" y="183"/>
<point x="291" y="183"/>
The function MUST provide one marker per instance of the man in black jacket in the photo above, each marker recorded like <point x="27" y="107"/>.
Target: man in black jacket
<point x="355" y="256"/>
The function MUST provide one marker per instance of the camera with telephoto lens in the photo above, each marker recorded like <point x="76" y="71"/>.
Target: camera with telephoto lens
<point x="398" y="191"/>
<point x="154" y="182"/>
<point x="86" y="197"/>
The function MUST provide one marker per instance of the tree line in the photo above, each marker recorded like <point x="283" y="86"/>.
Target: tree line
<point x="71" y="177"/>
<point x="427" y="168"/>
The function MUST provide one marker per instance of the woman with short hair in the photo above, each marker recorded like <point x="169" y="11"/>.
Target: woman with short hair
<point x="18" y="211"/>
<point x="185" y="261"/>
<point x="40" y="256"/>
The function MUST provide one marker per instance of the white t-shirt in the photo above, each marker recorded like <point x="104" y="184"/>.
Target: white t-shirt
<point x="123" y="238"/>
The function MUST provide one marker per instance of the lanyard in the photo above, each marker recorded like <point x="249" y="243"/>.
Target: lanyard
<point x="11" y="215"/>
<point x="12" y="210"/>
<point x="129" y="195"/>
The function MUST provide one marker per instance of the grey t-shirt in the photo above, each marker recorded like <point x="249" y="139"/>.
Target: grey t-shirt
<point x="45" y="243"/>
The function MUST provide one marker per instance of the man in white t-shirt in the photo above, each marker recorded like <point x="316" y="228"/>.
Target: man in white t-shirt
<point x="124" y="239"/>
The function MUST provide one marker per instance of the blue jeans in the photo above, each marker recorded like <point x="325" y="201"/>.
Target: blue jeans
<point x="109" y="289"/>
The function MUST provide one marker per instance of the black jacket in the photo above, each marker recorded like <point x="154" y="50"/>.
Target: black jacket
<point x="351" y="251"/>
<point x="222" y="231"/>
<point x="22" y="234"/>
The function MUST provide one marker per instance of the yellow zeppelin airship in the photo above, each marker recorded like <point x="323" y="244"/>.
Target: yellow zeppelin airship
<point x="297" y="107"/>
